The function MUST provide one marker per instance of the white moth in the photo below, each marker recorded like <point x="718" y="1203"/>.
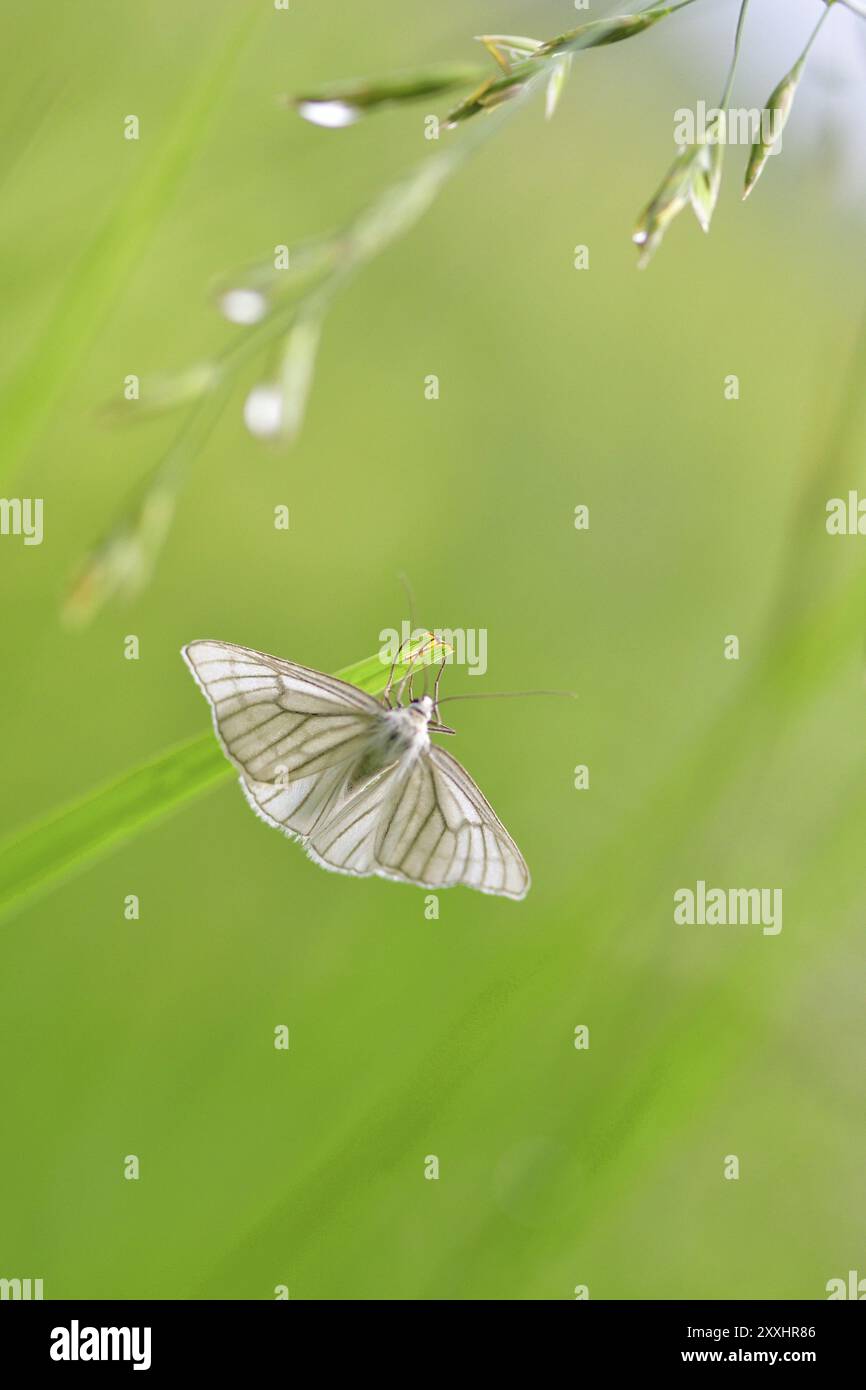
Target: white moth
<point x="355" y="779"/>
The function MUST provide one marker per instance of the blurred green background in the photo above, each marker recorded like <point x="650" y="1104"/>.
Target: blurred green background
<point x="453" y="1037"/>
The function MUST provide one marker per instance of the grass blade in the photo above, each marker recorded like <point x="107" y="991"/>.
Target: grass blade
<point x="67" y="840"/>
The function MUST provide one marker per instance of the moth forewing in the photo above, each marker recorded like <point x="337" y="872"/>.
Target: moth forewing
<point x="294" y="734"/>
<point x="276" y="720"/>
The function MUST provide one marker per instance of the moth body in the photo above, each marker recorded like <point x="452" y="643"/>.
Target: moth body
<point x="405" y="728"/>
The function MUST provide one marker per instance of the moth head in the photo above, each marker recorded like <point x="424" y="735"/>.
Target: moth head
<point x="424" y="710"/>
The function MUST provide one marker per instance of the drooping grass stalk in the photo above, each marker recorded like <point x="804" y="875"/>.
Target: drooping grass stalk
<point x="597" y="33"/>
<point x="69" y="839"/>
<point x="339" y="104"/>
<point x="695" y="177"/>
<point x="123" y="560"/>
<point x="735" y="58"/>
<point x="779" y="104"/>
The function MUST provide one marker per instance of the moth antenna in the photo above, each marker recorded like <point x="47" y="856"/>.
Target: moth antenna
<point x="410" y="598"/>
<point x="509" y="695"/>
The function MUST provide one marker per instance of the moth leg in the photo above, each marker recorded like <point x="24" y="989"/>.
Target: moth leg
<point x="436" y="689"/>
<point x="386" y="693"/>
<point x="408" y="677"/>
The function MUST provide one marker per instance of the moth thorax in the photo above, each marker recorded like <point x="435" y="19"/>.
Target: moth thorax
<point x="406" y="728"/>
